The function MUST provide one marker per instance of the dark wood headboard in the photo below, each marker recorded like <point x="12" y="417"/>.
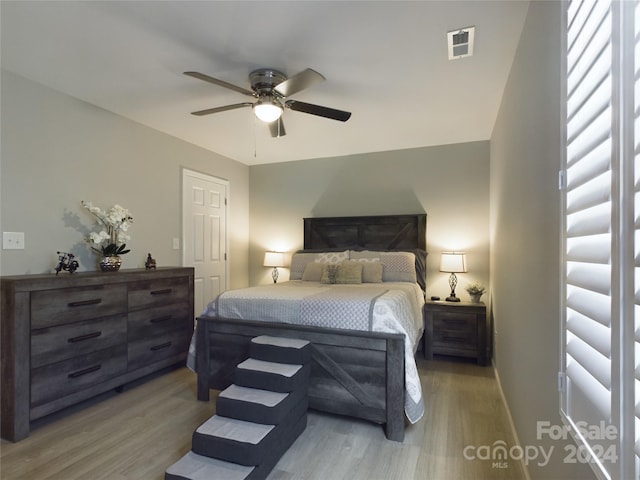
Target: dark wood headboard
<point x="381" y="232"/>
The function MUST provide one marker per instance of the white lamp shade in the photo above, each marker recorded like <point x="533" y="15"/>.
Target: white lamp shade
<point x="453" y="262"/>
<point x="274" y="259"/>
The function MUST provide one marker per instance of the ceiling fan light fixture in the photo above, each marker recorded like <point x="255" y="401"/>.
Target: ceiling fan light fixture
<point x="268" y="111"/>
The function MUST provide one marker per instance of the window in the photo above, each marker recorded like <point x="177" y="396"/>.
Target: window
<point x="600" y="180"/>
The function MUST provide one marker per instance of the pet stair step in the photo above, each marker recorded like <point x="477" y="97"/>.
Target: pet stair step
<point x="280" y="350"/>
<point x="246" y="443"/>
<point x="198" y="467"/>
<point x="277" y="377"/>
<point x="260" y="406"/>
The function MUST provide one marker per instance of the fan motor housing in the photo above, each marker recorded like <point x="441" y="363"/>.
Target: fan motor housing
<point x="264" y="80"/>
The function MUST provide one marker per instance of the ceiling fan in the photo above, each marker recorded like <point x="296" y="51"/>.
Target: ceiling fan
<point x="272" y="89"/>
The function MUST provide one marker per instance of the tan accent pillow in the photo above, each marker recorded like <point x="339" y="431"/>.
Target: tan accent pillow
<point x="350" y="272"/>
<point x="345" y="272"/>
<point x="312" y="272"/>
<point x="371" y="272"/>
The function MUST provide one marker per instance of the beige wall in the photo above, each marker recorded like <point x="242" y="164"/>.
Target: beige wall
<point x="450" y="183"/>
<point x="57" y="151"/>
<point x="525" y="255"/>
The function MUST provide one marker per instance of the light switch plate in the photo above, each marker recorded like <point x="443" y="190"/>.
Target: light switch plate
<point x="13" y="240"/>
<point x="176" y="244"/>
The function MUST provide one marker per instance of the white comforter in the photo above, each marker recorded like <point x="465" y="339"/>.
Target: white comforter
<point x="391" y="307"/>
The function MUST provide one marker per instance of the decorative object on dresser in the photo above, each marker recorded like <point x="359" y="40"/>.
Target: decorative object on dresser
<point x="457" y="329"/>
<point x="66" y="339"/>
<point x="453" y="262"/>
<point x="475" y="291"/>
<point x="275" y="260"/>
<point x="112" y="237"/>
<point x="150" y="263"/>
<point x="67" y="262"/>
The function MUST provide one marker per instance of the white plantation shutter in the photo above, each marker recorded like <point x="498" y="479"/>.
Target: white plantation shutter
<point x="601" y="234"/>
<point x="588" y="189"/>
<point x="635" y="12"/>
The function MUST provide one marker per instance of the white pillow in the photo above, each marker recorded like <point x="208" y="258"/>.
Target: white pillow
<point x="298" y="263"/>
<point x="332" y="257"/>
<point x="398" y="267"/>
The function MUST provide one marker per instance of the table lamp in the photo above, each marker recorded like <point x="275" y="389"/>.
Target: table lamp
<point x="275" y="260"/>
<point x="453" y="262"/>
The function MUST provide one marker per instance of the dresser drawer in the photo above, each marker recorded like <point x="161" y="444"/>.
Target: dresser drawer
<point x="158" y="292"/>
<point x="158" y="320"/>
<point x="149" y="350"/>
<point x="54" y="344"/>
<point x="67" y="305"/>
<point x="63" y="378"/>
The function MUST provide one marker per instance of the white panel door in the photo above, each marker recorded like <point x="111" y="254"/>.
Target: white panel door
<point x="204" y="234"/>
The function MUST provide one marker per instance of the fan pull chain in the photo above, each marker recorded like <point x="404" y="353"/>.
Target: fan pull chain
<point x="255" y="138"/>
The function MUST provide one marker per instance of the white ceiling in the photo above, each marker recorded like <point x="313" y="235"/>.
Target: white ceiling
<point x="385" y="61"/>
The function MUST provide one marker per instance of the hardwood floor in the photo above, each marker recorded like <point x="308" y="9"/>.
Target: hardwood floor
<point x="137" y="434"/>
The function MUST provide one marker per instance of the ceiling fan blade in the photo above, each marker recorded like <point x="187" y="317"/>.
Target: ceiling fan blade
<point x="221" y="83"/>
<point x="299" y="82"/>
<point x="318" y="110"/>
<point x="277" y="128"/>
<point x="209" y="111"/>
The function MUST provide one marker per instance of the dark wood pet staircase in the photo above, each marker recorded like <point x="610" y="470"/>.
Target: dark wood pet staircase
<point x="257" y="418"/>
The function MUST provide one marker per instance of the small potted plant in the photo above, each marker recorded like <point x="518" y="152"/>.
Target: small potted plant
<point x="475" y="290"/>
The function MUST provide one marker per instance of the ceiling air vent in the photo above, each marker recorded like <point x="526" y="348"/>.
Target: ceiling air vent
<point x="460" y="42"/>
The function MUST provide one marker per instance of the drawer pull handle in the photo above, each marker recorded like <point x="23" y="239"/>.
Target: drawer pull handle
<point x="83" y="303"/>
<point x="84" y="371"/>
<point x="160" y="347"/>
<point x="160" y="292"/>
<point x="447" y="338"/>
<point x="80" y="338"/>
<point x="160" y="319"/>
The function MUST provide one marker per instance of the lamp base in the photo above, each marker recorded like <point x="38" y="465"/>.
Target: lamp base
<point x="453" y="299"/>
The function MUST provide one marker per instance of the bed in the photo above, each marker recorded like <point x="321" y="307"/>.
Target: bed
<point x="362" y="352"/>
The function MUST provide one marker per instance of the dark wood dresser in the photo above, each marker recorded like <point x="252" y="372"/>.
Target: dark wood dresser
<point x="67" y="338"/>
<point x="457" y="329"/>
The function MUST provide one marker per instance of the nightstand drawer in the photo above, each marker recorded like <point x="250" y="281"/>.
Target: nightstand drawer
<point x="455" y="339"/>
<point x="455" y="322"/>
<point x="54" y="344"/>
<point x="68" y="305"/>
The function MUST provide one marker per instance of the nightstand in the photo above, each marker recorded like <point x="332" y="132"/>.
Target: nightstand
<point x="458" y="329"/>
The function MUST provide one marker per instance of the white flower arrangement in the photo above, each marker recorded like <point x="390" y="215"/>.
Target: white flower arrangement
<point x="475" y="289"/>
<point x="114" y="223"/>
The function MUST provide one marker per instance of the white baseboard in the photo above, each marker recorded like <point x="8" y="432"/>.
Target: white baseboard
<point x="510" y="419"/>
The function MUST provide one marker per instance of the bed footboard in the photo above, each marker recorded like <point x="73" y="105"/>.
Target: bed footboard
<point x="354" y="373"/>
